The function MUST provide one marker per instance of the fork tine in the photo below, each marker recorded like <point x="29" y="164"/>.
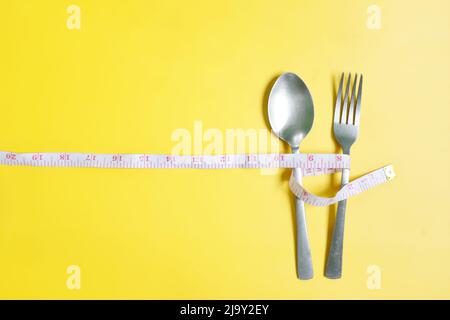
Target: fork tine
<point x="358" y="102"/>
<point x="337" y="107"/>
<point x="351" y="107"/>
<point x="345" y="106"/>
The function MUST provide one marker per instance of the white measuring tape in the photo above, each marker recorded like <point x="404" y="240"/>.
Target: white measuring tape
<point x="310" y="164"/>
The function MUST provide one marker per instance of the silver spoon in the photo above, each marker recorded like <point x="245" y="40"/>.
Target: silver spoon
<point x="291" y="115"/>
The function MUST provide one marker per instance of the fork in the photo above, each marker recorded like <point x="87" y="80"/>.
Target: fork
<point x="345" y="128"/>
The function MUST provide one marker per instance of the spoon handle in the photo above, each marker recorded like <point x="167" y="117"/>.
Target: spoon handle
<point x="334" y="261"/>
<point x="304" y="261"/>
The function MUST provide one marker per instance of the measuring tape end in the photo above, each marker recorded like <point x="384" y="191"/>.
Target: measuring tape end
<point x="389" y="172"/>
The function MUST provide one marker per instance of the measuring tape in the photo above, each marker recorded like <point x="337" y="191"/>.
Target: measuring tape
<point x="310" y="165"/>
<point x="351" y="189"/>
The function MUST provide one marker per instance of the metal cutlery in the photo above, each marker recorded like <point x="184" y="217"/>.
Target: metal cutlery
<point x="345" y="129"/>
<point x="291" y="115"/>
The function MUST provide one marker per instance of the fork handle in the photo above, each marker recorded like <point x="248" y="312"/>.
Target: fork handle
<point x="304" y="261"/>
<point x="334" y="261"/>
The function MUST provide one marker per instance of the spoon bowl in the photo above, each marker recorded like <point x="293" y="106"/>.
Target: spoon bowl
<point x="291" y="109"/>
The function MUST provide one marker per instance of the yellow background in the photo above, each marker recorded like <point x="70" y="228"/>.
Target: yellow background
<point x="138" y="70"/>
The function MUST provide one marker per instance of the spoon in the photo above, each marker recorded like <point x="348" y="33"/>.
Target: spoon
<point x="291" y="115"/>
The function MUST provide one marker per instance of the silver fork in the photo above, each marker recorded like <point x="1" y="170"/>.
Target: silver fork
<point x="345" y="128"/>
